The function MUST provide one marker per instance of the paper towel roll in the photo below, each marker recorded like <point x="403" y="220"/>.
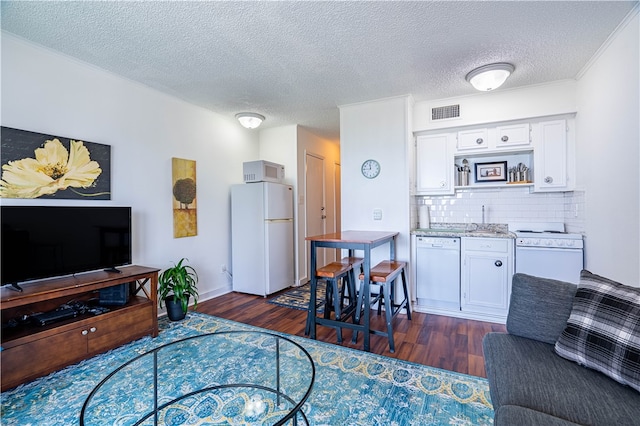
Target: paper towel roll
<point x="423" y="217"/>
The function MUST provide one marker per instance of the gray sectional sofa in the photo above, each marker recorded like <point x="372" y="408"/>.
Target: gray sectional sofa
<point x="531" y="384"/>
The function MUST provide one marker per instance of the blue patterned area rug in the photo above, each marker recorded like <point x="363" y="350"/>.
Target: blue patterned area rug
<point x="298" y="298"/>
<point x="351" y="388"/>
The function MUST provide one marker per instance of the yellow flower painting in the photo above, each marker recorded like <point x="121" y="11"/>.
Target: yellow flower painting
<point x="51" y="171"/>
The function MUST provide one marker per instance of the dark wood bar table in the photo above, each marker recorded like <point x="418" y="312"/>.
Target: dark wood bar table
<point x="348" y="240"/>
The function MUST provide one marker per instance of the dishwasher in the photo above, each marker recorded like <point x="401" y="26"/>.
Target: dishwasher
<point x="438" y="272"/>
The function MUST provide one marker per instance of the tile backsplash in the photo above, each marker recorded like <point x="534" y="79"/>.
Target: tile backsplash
<point x="505" y="206"/>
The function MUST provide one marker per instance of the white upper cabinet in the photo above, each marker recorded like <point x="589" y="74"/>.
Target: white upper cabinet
<point x="506" y="137"/>
<point x="551" y="157"/>
<point x="513" y="135"/>
<point x="434" y="164"/>
<point x="546" y="149"/>
<point x="477" y="139"/>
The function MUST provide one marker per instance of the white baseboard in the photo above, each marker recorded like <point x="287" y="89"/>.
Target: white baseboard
<point x="498" y="319"/>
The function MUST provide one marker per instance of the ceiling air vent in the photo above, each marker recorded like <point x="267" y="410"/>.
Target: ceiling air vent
<point x="445" y="112"/>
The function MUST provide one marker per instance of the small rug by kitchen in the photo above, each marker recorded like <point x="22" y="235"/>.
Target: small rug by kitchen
<point x="298" y="298"/>
<point x="351" y="387"/>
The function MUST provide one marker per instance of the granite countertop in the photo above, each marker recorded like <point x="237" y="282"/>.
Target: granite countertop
<point x="488" y="230"/>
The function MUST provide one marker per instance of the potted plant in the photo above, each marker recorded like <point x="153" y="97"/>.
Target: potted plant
<point x="175" y="286"/>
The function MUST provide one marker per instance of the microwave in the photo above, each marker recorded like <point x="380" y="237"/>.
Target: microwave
<point x="262" y="171"/>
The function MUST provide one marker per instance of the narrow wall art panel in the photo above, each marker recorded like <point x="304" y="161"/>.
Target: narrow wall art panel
<point x="35" y="165"/>
<point x="185" y="206"/>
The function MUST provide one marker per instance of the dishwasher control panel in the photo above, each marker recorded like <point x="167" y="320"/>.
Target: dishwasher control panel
<point x="437" y="242"/>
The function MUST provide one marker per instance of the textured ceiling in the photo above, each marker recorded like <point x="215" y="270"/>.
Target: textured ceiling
<point x="295" y="62"/>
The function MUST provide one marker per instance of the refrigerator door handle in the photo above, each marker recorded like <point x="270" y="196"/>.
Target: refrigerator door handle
<point x="278" y="220"/>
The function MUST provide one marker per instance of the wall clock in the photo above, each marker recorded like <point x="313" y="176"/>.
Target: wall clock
<point x="370" y="169"/>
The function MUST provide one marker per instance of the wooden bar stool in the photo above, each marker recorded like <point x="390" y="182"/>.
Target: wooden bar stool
<point x="356" y="264"/>
<point x="333" y="274"/>
<point x="385" y="275"/>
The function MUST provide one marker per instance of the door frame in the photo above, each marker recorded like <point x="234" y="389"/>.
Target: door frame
<point x="307" y="245"/>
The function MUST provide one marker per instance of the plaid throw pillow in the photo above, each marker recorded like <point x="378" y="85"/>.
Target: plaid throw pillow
<point x="603" y="330"/>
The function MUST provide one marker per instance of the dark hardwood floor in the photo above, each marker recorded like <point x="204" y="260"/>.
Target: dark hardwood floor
<point x="438" y="341"/>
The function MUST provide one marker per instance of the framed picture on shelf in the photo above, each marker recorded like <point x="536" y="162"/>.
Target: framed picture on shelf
<point x="491" y="172"/>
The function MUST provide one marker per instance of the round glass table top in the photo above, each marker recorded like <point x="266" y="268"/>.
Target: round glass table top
<point x="229" y="377"/>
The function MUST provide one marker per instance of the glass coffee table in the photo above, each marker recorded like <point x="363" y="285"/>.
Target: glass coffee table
<point x="229" y="377"/>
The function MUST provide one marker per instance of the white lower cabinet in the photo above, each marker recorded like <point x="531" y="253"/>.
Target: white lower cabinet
<point x="472" y="280"/>
<point x="487" y="269"/>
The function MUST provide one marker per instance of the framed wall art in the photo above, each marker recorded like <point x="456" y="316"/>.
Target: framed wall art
<point x="491" y="172"/>
<point x="185" y="203"/>
<point x="36" y="165"/>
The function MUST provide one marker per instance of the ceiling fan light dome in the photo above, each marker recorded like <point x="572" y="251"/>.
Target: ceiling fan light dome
<point x="490" y="77"/>
<point x="250" y="120"/>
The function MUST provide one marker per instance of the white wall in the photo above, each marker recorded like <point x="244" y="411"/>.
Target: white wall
<point x="608" y="156"/>
<point x="46" y="92"/>
<point x="378" y="130"/>
<point x="278" y="144"/>
<point x="541" y="100"/>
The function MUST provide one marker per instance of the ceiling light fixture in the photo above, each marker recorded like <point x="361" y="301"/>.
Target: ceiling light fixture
<point x="490" y="77"/>
<point x="250" y="120"/>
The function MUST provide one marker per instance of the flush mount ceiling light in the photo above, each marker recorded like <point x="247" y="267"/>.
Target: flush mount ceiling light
<point x="490" y="76"/>
<point x="250" y="120"/>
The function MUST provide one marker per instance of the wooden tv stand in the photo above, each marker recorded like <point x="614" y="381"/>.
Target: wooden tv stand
<point x="30" y="350"/>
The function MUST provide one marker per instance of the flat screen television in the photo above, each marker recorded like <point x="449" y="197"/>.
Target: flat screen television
<point x="43" y="242"/>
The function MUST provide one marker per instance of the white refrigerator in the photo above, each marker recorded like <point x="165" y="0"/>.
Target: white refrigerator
<point x="262" y="254"/>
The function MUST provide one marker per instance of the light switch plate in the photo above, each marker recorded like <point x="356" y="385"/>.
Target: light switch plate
<point x="377" y="214"/>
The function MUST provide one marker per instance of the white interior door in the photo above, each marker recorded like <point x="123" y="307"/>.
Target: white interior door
<point x="315" y="205"/>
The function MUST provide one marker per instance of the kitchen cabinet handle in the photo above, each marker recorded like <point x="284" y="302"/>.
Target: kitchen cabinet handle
<point x="548" y="179"/>
<point x="504" y="138"/>
<point x="479" y="141"/>
<point x="442" y="184"/>
<point x="85" y="332"/>
<point x="92" y="329"/>
<point x="498" y="263"/>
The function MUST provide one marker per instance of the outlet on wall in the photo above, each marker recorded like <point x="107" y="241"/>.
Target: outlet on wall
<point x="377" y="214"/>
